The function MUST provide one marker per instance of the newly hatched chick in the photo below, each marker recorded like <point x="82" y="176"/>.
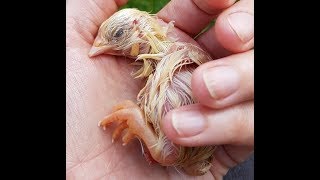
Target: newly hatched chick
<point x="167" y="67"/>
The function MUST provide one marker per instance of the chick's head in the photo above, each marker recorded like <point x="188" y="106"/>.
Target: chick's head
<point x="120" y="34"/>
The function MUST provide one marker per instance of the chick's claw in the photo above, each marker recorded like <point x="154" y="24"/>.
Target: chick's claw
<point x="117" y="132"/>
<point x="127" y="137"/>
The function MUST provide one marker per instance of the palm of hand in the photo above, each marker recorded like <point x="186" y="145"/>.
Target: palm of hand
<point x="93" y="87"/>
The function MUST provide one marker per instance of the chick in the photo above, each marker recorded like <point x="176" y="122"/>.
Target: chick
<point x="166" y="66"/>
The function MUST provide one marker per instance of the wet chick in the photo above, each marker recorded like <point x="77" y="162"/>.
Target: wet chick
<point x="167" y="66"/>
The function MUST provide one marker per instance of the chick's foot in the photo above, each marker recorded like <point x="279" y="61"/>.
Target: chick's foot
<point x="130" y="120"/>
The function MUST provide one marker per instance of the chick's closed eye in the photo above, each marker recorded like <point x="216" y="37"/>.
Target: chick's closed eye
<point x="119" y="33"/>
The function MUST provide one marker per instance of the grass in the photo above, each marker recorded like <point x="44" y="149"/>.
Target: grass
<point x="151" y="6"/>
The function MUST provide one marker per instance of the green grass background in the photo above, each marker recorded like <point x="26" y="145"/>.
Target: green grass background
<point x="151" y="6"/>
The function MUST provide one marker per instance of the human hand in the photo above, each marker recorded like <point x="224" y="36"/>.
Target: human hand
<point x="93" y="87"/>
<point x="224" y="87"/>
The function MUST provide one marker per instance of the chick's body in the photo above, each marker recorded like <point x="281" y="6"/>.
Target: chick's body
<point x="167" y="67"/>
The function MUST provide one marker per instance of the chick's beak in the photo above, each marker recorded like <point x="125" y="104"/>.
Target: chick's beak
<point x="97" y="50"/>
<point x="99" y="47"/>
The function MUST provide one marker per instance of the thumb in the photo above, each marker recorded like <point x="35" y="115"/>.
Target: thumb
<point x="197" y="125"/>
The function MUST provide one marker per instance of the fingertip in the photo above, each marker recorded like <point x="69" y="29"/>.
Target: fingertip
<point x="167" y="128"/>
<point x="199" y="89"/>
<point x="213" y="6"/>
<point x="186" y="15"/>
<point x="213" y="82"/>
<point x="235" y="31"/>
<point x="120" y="2"/>
<point x="183" y="124"/>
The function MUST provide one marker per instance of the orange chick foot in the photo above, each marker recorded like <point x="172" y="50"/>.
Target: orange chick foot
<point x="130" y="119"/>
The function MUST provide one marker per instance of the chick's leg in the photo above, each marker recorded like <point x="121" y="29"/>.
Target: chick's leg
<point x="130" y="117"/>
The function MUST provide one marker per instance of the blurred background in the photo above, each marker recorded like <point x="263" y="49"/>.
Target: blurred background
<point x="152" y="6"/>
<point x="244" y="171"/>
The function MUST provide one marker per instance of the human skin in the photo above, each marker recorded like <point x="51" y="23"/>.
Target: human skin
<point x="94" y="86"/>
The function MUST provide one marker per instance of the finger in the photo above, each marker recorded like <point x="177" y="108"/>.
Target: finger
<point x="228" y="156"/>
<point x="233" y="31"/>
<point x="192" y="16"/>
<point x="197" y="125"/>
<point x="85" y="16"/>
<point x="225" y="82"/>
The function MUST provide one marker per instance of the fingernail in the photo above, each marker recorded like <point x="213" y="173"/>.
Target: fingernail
<point x="221" y="81"/>
<point x="243" y="25"/>
<point x="188" y="123"/>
